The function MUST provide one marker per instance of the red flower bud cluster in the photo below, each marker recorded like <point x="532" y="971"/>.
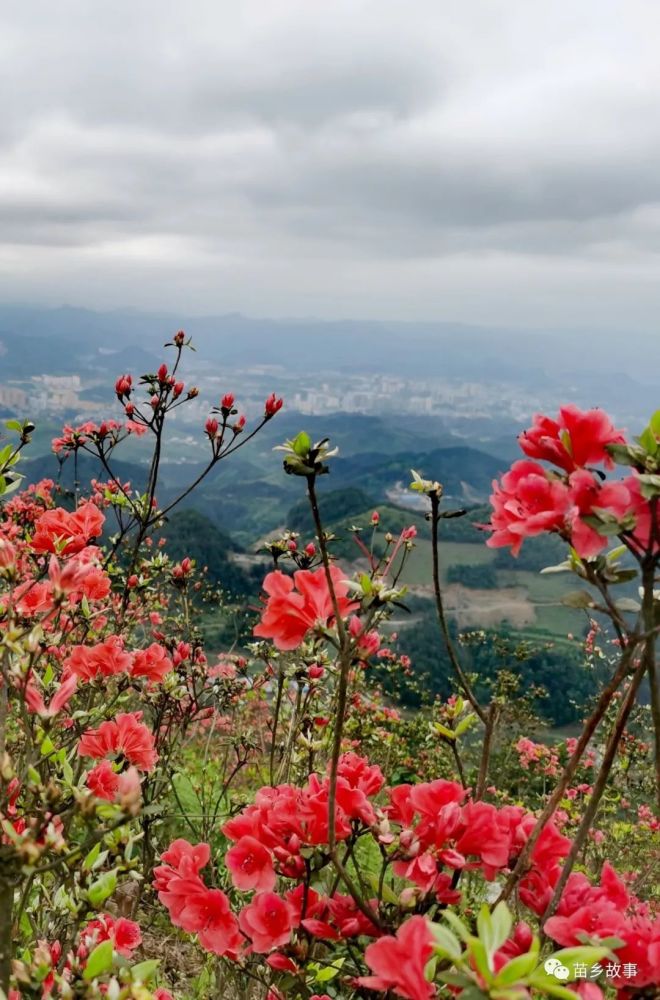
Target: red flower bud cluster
<point x="272" y="405"/>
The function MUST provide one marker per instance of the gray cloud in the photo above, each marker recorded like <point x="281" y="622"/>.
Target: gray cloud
<point x="479" y="160"/>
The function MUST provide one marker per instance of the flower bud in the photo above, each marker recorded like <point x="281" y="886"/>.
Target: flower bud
<point x="272" y="405"/>
<point x="408" y="898"/>
<point x="123" y="386"/>
<point x="6" y="768"/>
<point x="179" y="339"/>
<point x="7" y="555"/>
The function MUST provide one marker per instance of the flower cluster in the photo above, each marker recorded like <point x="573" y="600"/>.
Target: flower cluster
<point x="572" y="500"/>
<point x="442" y="833"/>
<point x="428" y="833"/>
<point x="609" y="910"/>
<point x="299" y="605"/>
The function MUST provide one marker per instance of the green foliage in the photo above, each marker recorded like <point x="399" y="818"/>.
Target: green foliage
<point x="338" y="505"/>
<point x="471" y="958"/>
<point x="477" y="577"/>
<point x="189" y="533"/>
<point x="536" y="554"/>
<point x="556" y="672"/>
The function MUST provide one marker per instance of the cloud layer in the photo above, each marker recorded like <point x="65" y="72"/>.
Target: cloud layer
<point x="440" y="158"/>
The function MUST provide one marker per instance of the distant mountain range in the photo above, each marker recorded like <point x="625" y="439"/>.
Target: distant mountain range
<point x="70" y="338"/>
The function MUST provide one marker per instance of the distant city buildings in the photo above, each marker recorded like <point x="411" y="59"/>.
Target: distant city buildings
<point x="454" y="400"/>
<point x="51" y="394"/>
<point x="12" y="398"/>
<point x="436" y="397"/>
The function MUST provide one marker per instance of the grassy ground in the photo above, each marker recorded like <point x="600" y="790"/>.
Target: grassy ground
<point x="542" y="592"/>
<point x="418" y="567"/>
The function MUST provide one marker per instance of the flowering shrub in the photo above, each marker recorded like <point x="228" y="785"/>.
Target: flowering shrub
<point x="239" y="827"/>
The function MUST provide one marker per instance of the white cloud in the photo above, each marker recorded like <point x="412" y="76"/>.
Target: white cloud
<point x="488" y="159"/>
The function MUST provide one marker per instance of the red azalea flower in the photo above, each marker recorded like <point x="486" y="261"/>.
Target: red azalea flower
<point x="125" y="735"/>
<point x="152" y="662"/>
<point x="641" y="509"/>
<point x="525" y="503"/>
<point x="399" y="962"/>
<point x="124" y="934"/>
<point x="250" y="865"/>
<point x="105" y="659"/>
<point x="219" y="933"/>
<point x="589" y="495"/>
<point x="103" y="781"/>
<point x="296" y="606"/>
<point x="60" y="531"/>
<point x="59" y="701"/>
<point x="577" y="438"/>
<point x="267" y="922"/>
<point x="31" y="598"/>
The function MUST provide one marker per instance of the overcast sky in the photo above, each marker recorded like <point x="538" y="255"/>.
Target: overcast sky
<point x="486" y="160"/>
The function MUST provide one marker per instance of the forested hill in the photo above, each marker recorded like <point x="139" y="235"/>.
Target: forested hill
<point x="251" y="495"/>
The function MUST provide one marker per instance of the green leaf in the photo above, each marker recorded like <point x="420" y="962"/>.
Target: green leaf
<point x="615" y="554"/>
<point x="301" y="444"/>
<point x="144" y="972"/>
<point x="458" y="925"/>
<point x="102" y="889"/>
<point x="625" y="575"/>
<point x="627" y="604"/>
<point x="6" y="487"/>
<point x="446" y="941"/>
<point x="478" y="950"/>
<point x="648" y="440"/>
<point x="577" y="599"/>
<point x="625" y="454"/>
<point x="548" y="986"/>
<point x="564" y="567"/>
<point x="465" y="724"/>
<point x="325" y="975"/>
<point x="517" y="969"/>
<point x="441" y="730"/>
<point x="14" y="425"/>
<point x="90" y="860"/>
<point x="606" y="526"/>
<point x="99" y="961"/>
<point x="387" y="894"/>
<point x="485" y="930"/>
<point x="649" y="486"/>
<point x="502" y="922"/>
<point x="453" y="978"/>
<point x="654" y="423"/>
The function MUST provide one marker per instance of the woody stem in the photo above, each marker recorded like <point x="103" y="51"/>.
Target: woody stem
<point x="344" y="663"/>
